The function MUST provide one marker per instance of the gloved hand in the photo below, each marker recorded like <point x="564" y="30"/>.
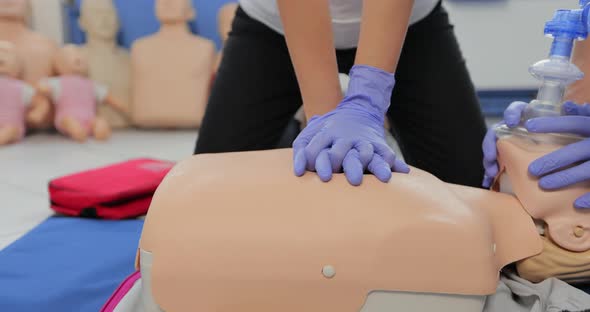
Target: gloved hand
<point x="512" y="117"/>
<point x="351" y="137"/>
<point x="554" y="168"/>
<point x="546" y="167"/>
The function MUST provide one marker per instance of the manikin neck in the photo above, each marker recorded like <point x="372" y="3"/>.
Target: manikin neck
<point x="97" y="44"/>
<point x="11" y="28"/>
<point x="174" y="29"/>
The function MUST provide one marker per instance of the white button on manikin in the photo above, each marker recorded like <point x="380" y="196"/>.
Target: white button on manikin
<point x="328" y="271"/>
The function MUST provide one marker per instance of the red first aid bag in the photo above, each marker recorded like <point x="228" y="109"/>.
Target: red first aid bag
<point x="118" y="191"/>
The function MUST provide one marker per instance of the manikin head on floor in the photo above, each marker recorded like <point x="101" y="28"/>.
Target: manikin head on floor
<point x="71" y="61"/>
<point x="9" y="63"/>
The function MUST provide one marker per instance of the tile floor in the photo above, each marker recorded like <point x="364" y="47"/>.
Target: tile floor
<point x="27" y="167"/>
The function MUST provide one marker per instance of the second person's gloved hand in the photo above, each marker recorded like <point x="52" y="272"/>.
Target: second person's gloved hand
<point x="351" y="138"/>
<point x="555" y="169"/>
<point x="512" y="116"/>
<point x="568" y="165"/>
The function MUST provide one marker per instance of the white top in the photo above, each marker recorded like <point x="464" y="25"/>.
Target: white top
<point x="346" y="17"/>
<point x="55" y="84"/>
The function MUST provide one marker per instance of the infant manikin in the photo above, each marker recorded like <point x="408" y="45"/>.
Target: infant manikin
<point x="34" y="51"/>
<point x="15" y="96"/>
<point x="76" y="97"/>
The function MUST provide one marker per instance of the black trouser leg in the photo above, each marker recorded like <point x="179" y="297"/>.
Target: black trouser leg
<point x="434" y="109"/>
<point x="255" y="93"/>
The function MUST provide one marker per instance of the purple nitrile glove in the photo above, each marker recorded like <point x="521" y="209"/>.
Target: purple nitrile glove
<point x="555" y="169"/>
<point x="351" y="137"/>
<point x="512" y="117"/>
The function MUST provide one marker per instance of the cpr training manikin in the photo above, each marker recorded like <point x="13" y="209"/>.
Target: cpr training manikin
<point x="217" y="240"/>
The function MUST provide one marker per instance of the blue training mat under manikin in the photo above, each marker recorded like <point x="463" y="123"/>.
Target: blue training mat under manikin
<point x="67" y="264"/>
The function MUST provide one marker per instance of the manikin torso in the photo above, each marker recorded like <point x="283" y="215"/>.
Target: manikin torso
<point x="35" y="50"/>
<point x="109" y="64"/>
<point x="171" y="74"/>
<point x="270" y="238"/>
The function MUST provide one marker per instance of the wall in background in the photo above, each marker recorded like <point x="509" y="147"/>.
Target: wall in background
<point x="501" y="39"/>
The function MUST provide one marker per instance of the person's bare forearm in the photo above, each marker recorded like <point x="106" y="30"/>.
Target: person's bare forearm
<point x="309" y="36"/>
<point x="383" y="30"/>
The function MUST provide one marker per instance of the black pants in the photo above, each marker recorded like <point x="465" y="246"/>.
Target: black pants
<point x="434" y="111"/>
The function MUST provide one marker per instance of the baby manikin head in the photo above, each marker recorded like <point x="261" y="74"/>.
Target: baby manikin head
<point x="9" y="63"/>
<point x="71" y="61"/>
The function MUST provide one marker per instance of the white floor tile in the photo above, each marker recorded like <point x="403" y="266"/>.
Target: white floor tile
<point x="21" y="210"/>
<point x="169" y="145"/>
<point x="39" y="158"/>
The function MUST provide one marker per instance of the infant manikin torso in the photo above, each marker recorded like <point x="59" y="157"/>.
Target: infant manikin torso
<point x="35" y="51"/>
<point x="171" y="71"/>
<point x="75" y="96"/>
<point x="109" y="64"/>
<point x="16" y="96"/>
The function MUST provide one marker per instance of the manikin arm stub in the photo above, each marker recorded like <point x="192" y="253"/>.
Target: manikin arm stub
<point x="115" y="103"/>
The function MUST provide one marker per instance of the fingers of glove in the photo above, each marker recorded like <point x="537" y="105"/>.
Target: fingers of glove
<point x="385" y="152"/>
<point x="353" y="168"/>
<point x="339" y="150"/>
<point x="299" y="161"/>
<point x="563" y="157"/>
<point x="380" y="168"/>
<point x="400" y="166"/>
<point x="571" y="108"/>
<point x="366" y="152"/>
<point x="563" y="124"/>
<point x="323" y="167"/>
<point x="583" y="202"/>
<point x="513" y="113"/>
<point x="319" y="142"/>
<point x="566" y="177"/>
<point x="489" y="146"/>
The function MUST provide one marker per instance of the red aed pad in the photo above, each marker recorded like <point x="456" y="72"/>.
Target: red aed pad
<point x="118" y="191"/>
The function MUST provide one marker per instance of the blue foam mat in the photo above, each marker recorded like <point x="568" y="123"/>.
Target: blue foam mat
<point x="67" y="264"/>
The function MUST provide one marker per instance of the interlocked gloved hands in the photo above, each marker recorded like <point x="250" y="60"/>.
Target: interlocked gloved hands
<point x="564" y="167"/>
<point x="351" y="138"/>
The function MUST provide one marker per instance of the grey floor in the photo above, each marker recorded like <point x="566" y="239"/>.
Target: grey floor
<point x="27" y="167"/>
